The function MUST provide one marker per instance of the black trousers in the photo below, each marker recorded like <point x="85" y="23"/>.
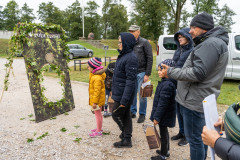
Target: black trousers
<point x="121" y="115"/>
<point x="164" y="140"/>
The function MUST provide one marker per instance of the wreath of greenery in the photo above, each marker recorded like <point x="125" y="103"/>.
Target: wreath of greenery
<point x="21" y="37"/>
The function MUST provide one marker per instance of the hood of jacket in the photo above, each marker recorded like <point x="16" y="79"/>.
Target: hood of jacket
<point x="100" y="72"/>
<point x="218" y="32"/>
<point x="128" y="42"/>
<point x="184" y="32"/>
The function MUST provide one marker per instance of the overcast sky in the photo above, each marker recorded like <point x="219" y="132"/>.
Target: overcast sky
<point x="63" y="4"/>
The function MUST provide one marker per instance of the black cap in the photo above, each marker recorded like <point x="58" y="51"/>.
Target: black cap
<point x="203" y="21"/>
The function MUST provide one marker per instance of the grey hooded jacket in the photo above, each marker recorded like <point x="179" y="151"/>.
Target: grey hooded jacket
<point x="203" y="72"/>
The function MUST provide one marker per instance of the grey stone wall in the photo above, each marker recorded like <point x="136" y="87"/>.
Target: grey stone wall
<point x="6" y="34"/>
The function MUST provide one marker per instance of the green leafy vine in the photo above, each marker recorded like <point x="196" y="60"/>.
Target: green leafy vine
<point x="22" y="31"/>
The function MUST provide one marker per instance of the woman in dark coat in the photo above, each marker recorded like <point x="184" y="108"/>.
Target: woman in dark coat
<point x="123" y="87"/>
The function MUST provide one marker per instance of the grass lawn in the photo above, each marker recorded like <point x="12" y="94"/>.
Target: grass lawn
<point x="3" y="47"/>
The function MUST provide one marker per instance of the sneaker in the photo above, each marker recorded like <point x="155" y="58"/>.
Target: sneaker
<point x="95" y="134"/>
<point x="105" y="114"/>
<point x="159" y="152"/>
<point x="133" y="115"/>
<point x="183" y="142"/>
<point x="177" y="137"/>
<point x="159" y="157"/>
<point x="124" y="143"/>
<point x="109" y="114"/>
<point x="95" y="130"/>
<point x="141" y="118"/>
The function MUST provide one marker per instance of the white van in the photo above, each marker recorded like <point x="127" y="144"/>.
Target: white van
<point x="167" y="46"/>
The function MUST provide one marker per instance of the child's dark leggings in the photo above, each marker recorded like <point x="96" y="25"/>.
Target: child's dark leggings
<point x="164" y="140"/>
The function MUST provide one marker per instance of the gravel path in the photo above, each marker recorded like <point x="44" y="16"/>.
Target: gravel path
<point x="16" y="126"/>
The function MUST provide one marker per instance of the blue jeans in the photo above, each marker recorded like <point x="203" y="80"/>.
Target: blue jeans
<point x="107" y="94"/>
<point x="143" y="101"/>
<point x="180" y="119"/>
<point x="193" y="125"/>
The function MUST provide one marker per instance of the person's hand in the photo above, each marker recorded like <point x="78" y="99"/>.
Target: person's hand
<point x="209" y="137"/>
<point x="122" y="105"/>
<point x="155" y="122"/>
<point x="164" y="70"/>
<point x="146" y="78"/>
<point x="219" y="123"/>
<point x="94" y="106"/>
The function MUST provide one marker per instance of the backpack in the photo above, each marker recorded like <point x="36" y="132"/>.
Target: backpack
<point x="232" y="123"/>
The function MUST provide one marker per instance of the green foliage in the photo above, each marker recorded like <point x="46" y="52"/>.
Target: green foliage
<point x="66" y="113"/>
<point x="106" y="133"/>
<point x="118" y="20"/>
<point x="43" y="135"/>
<point x="27" y="14"/>
<point x="29" y="140"/>
<point x="77" y="126"/>
<point x="77" y="140"/>
<point x="225" y="17"/>
<point x="151" y="16"/>
<point x="30" y="115"/>
<point x="63" y="129"/>
<point x="52" y="118"/>
<point x="73" y="20"/>
<point x="22" y="118"/>
<point x="50" y="14"/>
<point x="11" y="15"/>
<point x="92" y="20"/>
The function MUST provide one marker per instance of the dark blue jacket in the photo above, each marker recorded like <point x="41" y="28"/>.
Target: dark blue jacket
<point x="164" y="104"/>
<point x="125" y="74"/>
<point x="182" y="53"/>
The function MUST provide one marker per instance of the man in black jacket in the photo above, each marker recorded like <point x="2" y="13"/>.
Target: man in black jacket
<point x="143" y="50"/>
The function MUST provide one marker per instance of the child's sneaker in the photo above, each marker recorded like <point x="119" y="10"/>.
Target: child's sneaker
<point x="95" y="130"/>
<point x="95" y="134"/>
<point x="106" y="114"/>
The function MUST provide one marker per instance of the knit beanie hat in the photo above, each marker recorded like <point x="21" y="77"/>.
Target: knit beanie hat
<point x="95" y="63"/>
<point x="203" y="21"/>
<point x="168" y="62"/>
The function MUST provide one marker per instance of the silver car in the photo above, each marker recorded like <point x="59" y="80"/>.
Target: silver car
<point x="77" y="50"/>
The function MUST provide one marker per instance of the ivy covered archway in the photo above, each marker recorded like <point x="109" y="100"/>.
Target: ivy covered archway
<point x="44" y="48"/>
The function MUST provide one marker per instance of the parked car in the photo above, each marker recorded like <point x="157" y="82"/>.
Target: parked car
<point x="77" y="50"/>
<point x="167" y="46"/>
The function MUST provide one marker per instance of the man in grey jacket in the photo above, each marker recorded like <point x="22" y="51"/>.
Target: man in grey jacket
<point x="201" y="75"/>
<point x="143" y="50"/>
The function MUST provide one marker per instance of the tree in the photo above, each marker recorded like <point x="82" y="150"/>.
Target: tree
<point x="151" y="16"/>
<point x="1" y="19"/>
<point x="93" y="20"/>
<point x="73" y="20"/>
<point x="225" y="17"/>
<point x="11" y="15"/>
<point x="105" y="17"/>
<point x="50" y="14"/>
<point x="176" y="7"/>
<point x="209" y="6"/>
<point x="221" y="16"/>
<point x="27" y="14"/>
<point x="118" y="20"/>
